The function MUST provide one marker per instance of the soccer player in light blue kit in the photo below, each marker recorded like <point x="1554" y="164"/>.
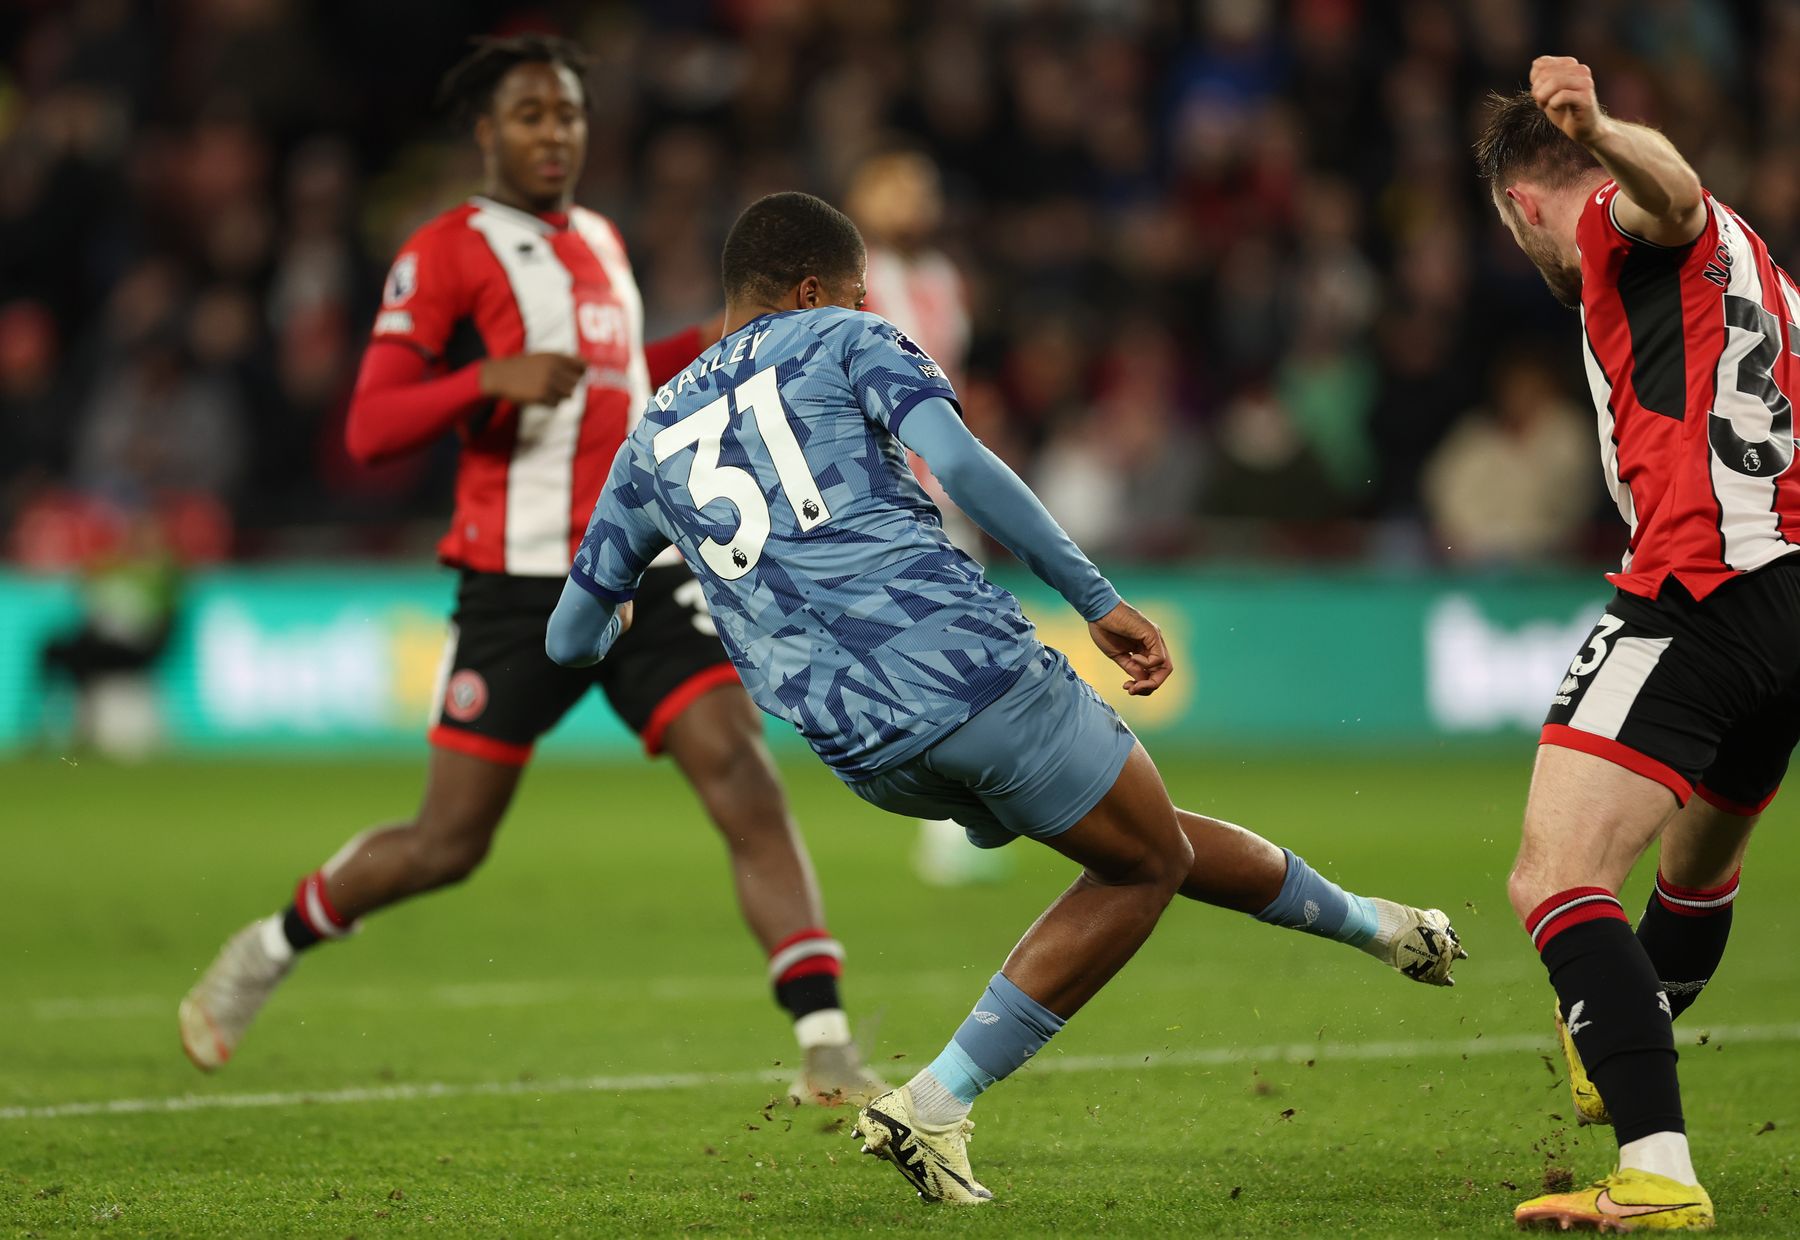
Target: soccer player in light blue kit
<point x="776" y="463"/>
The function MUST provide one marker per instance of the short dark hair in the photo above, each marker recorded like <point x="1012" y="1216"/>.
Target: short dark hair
<point x="467" y="90"/>
<point x="780" y="240"/>
<point x="1517" y="139"/>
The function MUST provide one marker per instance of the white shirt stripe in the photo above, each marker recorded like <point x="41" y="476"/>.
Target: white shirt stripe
<point x="1601" y="389"/>
<point x="1746" y="503"/>
<point x="605" y="245"/>
<point x="540" y="481"/>
<point x="1608" y="700"/>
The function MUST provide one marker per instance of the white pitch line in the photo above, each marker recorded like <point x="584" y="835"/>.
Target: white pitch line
<point x="111" y="1007"/>
<point x="534" y="993"/>
<point x="472" y="995"/>
<point x="1290" y="1052"/>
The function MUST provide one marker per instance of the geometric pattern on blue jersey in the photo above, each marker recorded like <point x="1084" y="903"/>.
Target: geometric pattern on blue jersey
<point x="845" y="608"/>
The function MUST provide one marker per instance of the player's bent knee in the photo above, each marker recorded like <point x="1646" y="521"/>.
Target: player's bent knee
<point x="1520" y="886"/>
<point x="445" y="853"/>
<point x="730" y="767"/>
<point x="453" y="860"/>
<point x="1177" y="861"/>
<point x="1535" y="879"/>
<point x="719" y="735"/>
<point x="1165" y="862"/>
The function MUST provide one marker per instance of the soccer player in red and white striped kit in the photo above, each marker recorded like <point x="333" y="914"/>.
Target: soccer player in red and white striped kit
<point x="1676" y="720"/>
<point x="514" y="321"/>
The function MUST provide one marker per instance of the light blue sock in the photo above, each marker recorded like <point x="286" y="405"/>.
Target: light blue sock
<point x="1319" y="906"/>
<point x="1006" y="1028"/>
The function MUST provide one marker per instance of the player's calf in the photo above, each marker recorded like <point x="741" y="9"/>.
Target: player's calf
<point x="1618" y="1017"/>
<point x="1006" y="1028"/>
<point x="1587" y="820"/>
<point x="1684" y="931"/>
<point x="1420" y="943"/>
<point x="1134" y="860"/>
<point x="1237" y="869"/>
<point x="378" y="868"/>
<point x="717" y="743"/>
<point x="1687" y="921"/>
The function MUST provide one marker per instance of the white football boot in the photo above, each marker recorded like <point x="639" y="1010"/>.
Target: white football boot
<point x="836" y="1076"/>
<point x="1420" y="942"/>
<point x="220" y="1007"/>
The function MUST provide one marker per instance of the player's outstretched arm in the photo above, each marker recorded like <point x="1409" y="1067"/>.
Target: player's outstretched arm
<point x="983" y="487"/>
<point x="583" y="628"/>
<point x="620" y="542"/>
<point x="1659" y="198"/>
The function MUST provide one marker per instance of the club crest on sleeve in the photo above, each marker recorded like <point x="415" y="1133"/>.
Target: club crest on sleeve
<point x="467" y="695"/>
<point x="402" y="281"/>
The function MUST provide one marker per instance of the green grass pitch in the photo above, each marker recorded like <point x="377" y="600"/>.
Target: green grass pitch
<point x="580" y="1042"/>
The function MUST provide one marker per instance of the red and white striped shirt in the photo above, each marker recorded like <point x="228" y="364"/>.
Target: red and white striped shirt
<point x="488" y="280"/>
<point x="1690" y="358"/>
<point x="922" y="295"/>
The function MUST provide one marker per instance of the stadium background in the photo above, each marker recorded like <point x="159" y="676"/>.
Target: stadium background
<point x="1237" y="306"/>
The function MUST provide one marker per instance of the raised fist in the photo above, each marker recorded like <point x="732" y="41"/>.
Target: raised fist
<point x="1564" y="88"/>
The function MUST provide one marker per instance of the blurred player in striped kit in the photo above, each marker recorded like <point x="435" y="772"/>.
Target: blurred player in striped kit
<point x="513" y="321"/>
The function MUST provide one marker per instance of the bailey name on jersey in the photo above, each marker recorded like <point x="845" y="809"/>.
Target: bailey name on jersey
<point x="666" y="394"/>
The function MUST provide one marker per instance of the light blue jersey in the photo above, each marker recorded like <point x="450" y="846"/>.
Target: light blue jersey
<point x="772" y="464"/>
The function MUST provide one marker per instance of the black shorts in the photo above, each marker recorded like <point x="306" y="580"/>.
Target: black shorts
<point x="1699" y="696"/>
<point x="499" y="691"/>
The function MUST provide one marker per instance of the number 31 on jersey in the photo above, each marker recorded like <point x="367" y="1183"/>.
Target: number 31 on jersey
<point x="708" y="480"/>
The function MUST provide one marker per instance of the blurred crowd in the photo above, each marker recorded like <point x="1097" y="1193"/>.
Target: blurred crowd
<point x="1216" y="276"/>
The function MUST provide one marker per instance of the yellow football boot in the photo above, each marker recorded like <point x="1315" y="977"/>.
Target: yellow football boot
<point x="1590" y="1107"/>
<point x="1624" y="1201"/>
<point x="934" y="1160"/>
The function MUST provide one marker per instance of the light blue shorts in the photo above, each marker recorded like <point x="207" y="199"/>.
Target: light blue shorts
<point x="1033" y="762"/>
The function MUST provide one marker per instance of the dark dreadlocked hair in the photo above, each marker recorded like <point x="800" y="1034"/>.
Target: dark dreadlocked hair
<point x="468" y="89"/>
<point x="1518" y="139"/>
